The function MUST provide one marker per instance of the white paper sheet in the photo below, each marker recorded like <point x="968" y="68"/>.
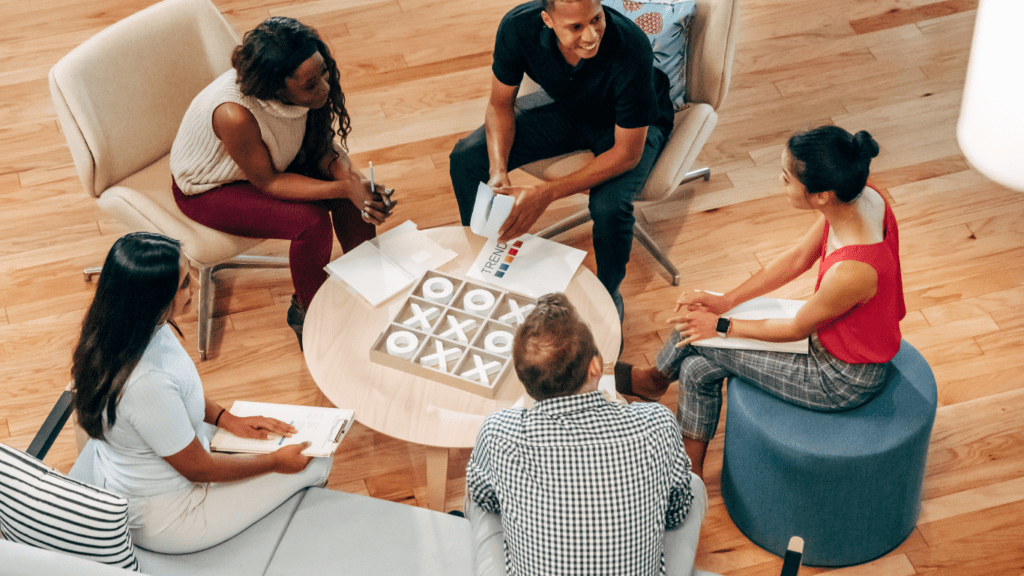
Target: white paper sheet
<point x="761" y="308"/>
<point x="528" y="265"/>
<point x="323" y="427"/>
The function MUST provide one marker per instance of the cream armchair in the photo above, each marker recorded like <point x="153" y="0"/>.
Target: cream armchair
<point x="120" y="97"/>
<point x="712" y="42"/>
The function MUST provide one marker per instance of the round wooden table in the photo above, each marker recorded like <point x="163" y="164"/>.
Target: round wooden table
<point x="341" y="327"/>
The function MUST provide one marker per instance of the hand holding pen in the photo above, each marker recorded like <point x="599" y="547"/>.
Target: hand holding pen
<point x="382" y="198"/>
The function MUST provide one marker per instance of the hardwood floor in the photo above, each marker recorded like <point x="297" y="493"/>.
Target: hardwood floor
<point x="416" y="74"/>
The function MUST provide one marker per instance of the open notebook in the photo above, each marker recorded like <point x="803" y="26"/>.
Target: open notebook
<point x="380" y="268"/>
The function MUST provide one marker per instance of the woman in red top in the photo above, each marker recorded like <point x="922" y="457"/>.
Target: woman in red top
<point x="852" y="320"/>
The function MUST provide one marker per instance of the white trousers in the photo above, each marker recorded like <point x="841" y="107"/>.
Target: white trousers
<point x="205" y="515"/>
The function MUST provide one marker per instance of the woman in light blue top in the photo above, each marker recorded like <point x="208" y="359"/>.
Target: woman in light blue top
<point x="139" y="398"/>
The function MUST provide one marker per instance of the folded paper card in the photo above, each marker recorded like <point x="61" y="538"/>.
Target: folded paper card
<point x="529" y="265"/>
<point x="760" y="308"/>
<point x="490" y="211"/>
<point x="382" y="267"/>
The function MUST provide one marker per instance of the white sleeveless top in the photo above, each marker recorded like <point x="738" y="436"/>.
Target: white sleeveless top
<point x="199" y="160"/>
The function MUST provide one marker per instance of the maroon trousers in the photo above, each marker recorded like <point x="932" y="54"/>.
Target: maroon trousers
<point x="242" y="209"/>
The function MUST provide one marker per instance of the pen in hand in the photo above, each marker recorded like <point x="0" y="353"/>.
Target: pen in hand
<point x="281" y="441"/>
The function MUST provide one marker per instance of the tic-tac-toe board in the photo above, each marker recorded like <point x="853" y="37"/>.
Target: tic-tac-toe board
<point x="455" y="332"/>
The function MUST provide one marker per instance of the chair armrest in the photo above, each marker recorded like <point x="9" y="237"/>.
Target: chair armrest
<point x="681" y="543"/>
<point x="51" y="427"/>
<point x="691" y="130"/>
<point x="23" y="559"/>
<point x="488" y="540"/>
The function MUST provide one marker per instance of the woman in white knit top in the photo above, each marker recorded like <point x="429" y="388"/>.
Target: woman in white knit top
<point x="256" y="155"/>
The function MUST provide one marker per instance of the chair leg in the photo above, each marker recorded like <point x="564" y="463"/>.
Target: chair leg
<point x="206" y="291"/>
<point x="205" y="309"/>
<point x="249" y="261"/>
<point x="581" y="217"/>
<point x="655" y="250"/>
<point x="692" y="175"/>
<point x="205" y="299"/>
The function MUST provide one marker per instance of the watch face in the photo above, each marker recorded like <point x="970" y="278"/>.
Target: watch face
<point x="723" y="326"/>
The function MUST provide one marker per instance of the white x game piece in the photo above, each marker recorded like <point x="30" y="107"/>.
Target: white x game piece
<point x="441" y="357"/>
<point x="421" y="316"/>
<point x="458" y="329"/>
<point x="482" y="370"/>
<point x="517" y="314"/>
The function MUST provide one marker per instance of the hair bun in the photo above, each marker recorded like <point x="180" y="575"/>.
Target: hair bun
<point x="865" y="145"/>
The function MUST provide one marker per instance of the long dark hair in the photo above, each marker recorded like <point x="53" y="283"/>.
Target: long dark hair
<point x="830" y="158"/>
<point x="263" y="61"/>
<point x="133" y="296"/>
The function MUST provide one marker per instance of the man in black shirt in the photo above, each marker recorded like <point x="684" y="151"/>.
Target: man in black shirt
<point x="601" y="93"/>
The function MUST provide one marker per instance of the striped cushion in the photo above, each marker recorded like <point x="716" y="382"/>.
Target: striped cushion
<point x="41" y="507"/>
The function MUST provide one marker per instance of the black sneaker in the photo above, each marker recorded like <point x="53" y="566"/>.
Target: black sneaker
<point x="296" y="318"/>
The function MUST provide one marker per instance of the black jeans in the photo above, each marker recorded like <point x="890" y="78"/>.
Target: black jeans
<point x="544" y="130"/>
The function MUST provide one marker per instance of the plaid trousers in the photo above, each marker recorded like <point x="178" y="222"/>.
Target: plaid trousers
<point x="818" y="380"/>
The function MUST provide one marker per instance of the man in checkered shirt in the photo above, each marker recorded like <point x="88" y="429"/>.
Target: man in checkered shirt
<point x="582" y="485"/>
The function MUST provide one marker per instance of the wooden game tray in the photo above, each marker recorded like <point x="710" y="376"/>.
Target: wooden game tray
<point x="458" y="324"/>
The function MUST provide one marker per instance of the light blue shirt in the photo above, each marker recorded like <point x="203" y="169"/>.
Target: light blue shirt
<point x="161" y="410"/>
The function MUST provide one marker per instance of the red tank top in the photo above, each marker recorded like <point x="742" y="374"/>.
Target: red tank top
<point x="868" y="332"/>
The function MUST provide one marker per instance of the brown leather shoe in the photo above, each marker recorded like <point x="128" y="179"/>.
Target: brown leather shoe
<point x="624" y="382"/>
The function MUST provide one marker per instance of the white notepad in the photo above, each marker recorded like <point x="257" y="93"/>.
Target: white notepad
<point x="761" y="308"/>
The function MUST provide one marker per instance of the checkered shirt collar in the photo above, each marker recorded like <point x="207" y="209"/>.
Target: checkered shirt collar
<point x="571" y="404"/>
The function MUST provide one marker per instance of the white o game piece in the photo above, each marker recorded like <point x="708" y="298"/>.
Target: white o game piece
<point x="478" y="300"/>
<point x="498" y="342"/>
<point x="438" y="289"/>
<point x="402" y="344"/>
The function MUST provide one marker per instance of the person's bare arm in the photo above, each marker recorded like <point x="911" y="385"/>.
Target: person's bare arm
<point x="845" y="285"/>
<point x="532" y="201"/>
<point x="370" y="202"/>
<point x="779" y="272"/>
<point x="198" y="465"/>
<point x="238" y="130"/>
<point x="500" y="127"/>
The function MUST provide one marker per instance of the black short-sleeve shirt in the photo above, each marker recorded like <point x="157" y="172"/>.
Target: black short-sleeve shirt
<point x="619" y="86"/>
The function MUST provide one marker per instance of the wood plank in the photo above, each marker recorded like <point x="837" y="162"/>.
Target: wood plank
<point x="416" y="76"/>
<point x="899" y="17"/>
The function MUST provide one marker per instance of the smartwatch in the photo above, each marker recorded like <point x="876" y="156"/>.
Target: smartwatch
<point x="723" y="327"/>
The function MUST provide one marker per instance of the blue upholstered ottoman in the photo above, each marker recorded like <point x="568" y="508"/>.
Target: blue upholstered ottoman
<point x="848" y="482"/>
